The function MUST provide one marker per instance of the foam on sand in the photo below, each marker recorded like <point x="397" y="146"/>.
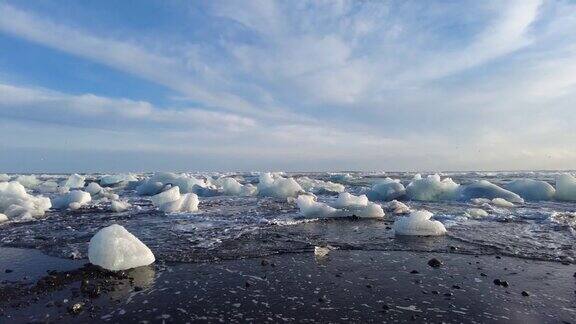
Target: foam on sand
<point x="114" y="248"/>
<point x="15" y="202"/>
<point x="566" y="187"/>
<point x="532" y="189"/>
<point x="432" y="188"/>
<point x="277" y="186"/>
<point x="418" y="223"/>
<point x="171" y="201"/>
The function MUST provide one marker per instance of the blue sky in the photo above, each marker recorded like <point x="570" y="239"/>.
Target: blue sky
<point x="291" y="85"/>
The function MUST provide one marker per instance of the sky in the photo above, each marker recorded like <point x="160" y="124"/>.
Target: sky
<point x="168" y="85"/>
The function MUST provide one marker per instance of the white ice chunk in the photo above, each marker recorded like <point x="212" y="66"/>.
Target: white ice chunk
<point x="157" y="181"/>
<point x="232" y="187"/>
<point x="387" y="189"/>
<point x="532" y="189"/>
<point x="75" y="181"/>
<point x="566" y="187"/>
<point x="114" y="248"/>
<point x="74" y="199"/>
<point x="4" y="177"/>
<point x="396" y="207"/>
<point x="93" y="188"/>
<point x="501" y="202"/>
<point x="476" y="213"/>
<point x="341" y="177"/>
<point x="149" y="188"/>
<point x="278" y="186"/>
<point x="119" y="206"/>
<point x="309" y="207"/>
<point x="16" y="202"/>
<point x="418" y="223"/>
<point x="431" y="188"/>
<point x="171" y="201"/>
<point x="110" y="180"/>
<point x="346" y="199"/>
<point x="3" y="218"/>
<point x="28" y="181"/>
<point x="319" y="186"/>
<point x="486" y="189"/>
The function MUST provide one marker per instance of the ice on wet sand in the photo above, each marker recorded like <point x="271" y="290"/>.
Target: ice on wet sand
<point x="171" y="201"/>
<point x="309" y="207"/>
<point x="418" y="223"/>
<point x="277" y="186"/>
<point x="15" y="202"/>
<point x="114" y="248"/>
<point x="75" y="199"/>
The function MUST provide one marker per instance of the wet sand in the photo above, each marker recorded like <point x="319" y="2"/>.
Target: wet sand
<point x="345" y="286"/>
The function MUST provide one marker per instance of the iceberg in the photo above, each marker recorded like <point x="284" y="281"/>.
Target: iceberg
<point x="387" y="189"/>
<point x="431" y="188"/>
<point x="75" y="199"/>
<point x="345" y="206"/>
<point x="15" y="202"/>
<point x="75" y="181"/>
<point x="114" y="248"/>
<point x="171" y="201"/>
<point x="278" y="186"/>
<point x="93" y="188"/>
<point x="532" y="189"/>
<point x="486" y="189"/>
<point x="418" y="223"/>
<point x="346" y="199"/>
<point x="341" y="177"/>
<point x="566" y="187"/>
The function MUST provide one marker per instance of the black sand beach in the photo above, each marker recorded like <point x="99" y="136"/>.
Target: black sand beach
<point x="345" y="286"/>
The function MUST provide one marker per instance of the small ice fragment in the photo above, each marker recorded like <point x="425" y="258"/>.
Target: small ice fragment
<point x="119" y="206"/>
<point x="387" y="189"/>
<point x="74" y="181"/>
<point x="397" y="207"/>
<point x="309" y="207"/>
<point x="75" y="199"/>
<point x="114" y="248"/>
<point x="501" y="202"/>
<point x="93" y="188"/>
<point x="476" y="213"/>
<point x="277" y="186"/>
<point x="418" y="223"/>
<point x="3" y="218"/>
<point x="322" y="251"/>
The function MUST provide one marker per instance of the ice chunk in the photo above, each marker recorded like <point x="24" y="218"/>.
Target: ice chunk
<point x="476" y="213"/>
<point x="158" y="181"/>
<point x="74" y="199"/>
<point x="114" y="248"/>
<point x="532" y="189"/>
<point x="431" y="188"/>
<point x="232" y="187"/>
<point x="51" y="187"/>
<point x="566" y="187"/>
<point x="371" y="210"/>
<point x="309" y="207"/>
<point x="341" y="177"/>
<point x="319" y="186"/>
<point x="116" y="179"/>
<point x="501" y="202"/>
<point x="4" y="177"/>
<point x="119" y="206"/>
<point x="277" y="186"/>
<point x="346" y="199"/>
<point x="397" y="207"/>
<point x="387" y="189"/>
<point x="93" y="188"/>
<point x="3" y="218"/>
<point x="322" y="251"/>
<point x="16" y="202"/>
<point x="28" y="181"/>
<point x="149" y="188"/>
<point x="485" y="189"/>
<point x="75" y="181"/>
<point x="418" y="223"/>
<point x="171" y="201"/>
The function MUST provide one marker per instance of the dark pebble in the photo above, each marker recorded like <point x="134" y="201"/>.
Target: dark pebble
<point x="574" y="274"/>
<point x="497" y="282"/>
<point x="8" y="271"/>
<point x="498" y="257"/>
<point x="435" y="292"/>
<point x="247" y="284"/>
<point x="504" y="283"/>
<point x="525" y="293"/>
<point x="455" y="286"/>
<point x="264" y="262"/>
<point x="448" y="294"/>
<point x="414" y="271"/>
<point x="368" y="286"/>
<point x="138" y="288"/>
<point x="76" y="308"/>
<point x="435" y="263"/>
<point x="483" y="274"/>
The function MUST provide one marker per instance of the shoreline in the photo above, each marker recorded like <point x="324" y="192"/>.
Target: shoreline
<point x="347" y="285"/>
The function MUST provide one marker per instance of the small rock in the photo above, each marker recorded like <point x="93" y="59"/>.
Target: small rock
<point x="504" y="283"/>
<point x="264" y="262"/>
<point x="368" y="286"/>
<point x="8" y="271"/>
<point x="435" y="292"/>
<point x="138" y="288"/>
<point x="414" y="271"/>
<point x="247" y="284"/>
<point x="483" y="274"/>
<point x="75" y="309"/>
<point x="435" y="263"/>
<point x="525" y="293"/>
<point x="497" y="282"/>
<point x="574" y="274"/>
<point x="498" y="257"/>
<point x="455" y="286"/>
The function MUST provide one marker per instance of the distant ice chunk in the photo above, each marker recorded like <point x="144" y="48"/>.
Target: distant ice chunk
<point x="3" y="218"/>
<point x="114" y="248"/>
<point x="116" y="179"/>
<point x="15" y="202"/>
<point x="118" y="206"/>
<point x="318" y="186"/>
<point x="476" y="213"/>
<point x="387" y="189"/>
<point x="75" y="181"/>
<point x="149" y="188"/>
<point x="341" y="177"/>
<point x="93" y="188"/>
<point x="171" y="201"/>
<point x="186" y="183"/>
<point x="232" y="187"/>
<point x="501" y="202"/>
<point x="277" y="186"/>
<point x="346" y="199"/>
<point x="486" y="189"/>
<point x="396" y="207"/>
<point x="4" y="177"/>
<point x="309" y="207"/>
<point x="432" y="188"/>
<point x="418" y="223"/>
<point x="532" y="189"/>
<point x="28" y="181"/>
<point x="75" y="199"/>
<point x="51" y="187"/>
<point x="566" y="187"/>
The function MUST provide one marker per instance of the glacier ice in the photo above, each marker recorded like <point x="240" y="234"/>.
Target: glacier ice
<point x="119" y="206"/>
<point x="431" y="188"/>
<point x="171" y="201"/>
<point x="341" y="177"/>
<point x="277" y="186"/>
<point x="15" y="202"/>
<point x="418" y="223"/>
<point x="566" y="187"/>
<point x="309" y="207"/>
<point x="532" y="189"/>
<point x="486" y="189"/>
<point x="114" y="248"/>
<point x="387" y="189"/>
<point x="155" y="184"/>
<point x="75" y="181"/>
<point x="74" y="199"/>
